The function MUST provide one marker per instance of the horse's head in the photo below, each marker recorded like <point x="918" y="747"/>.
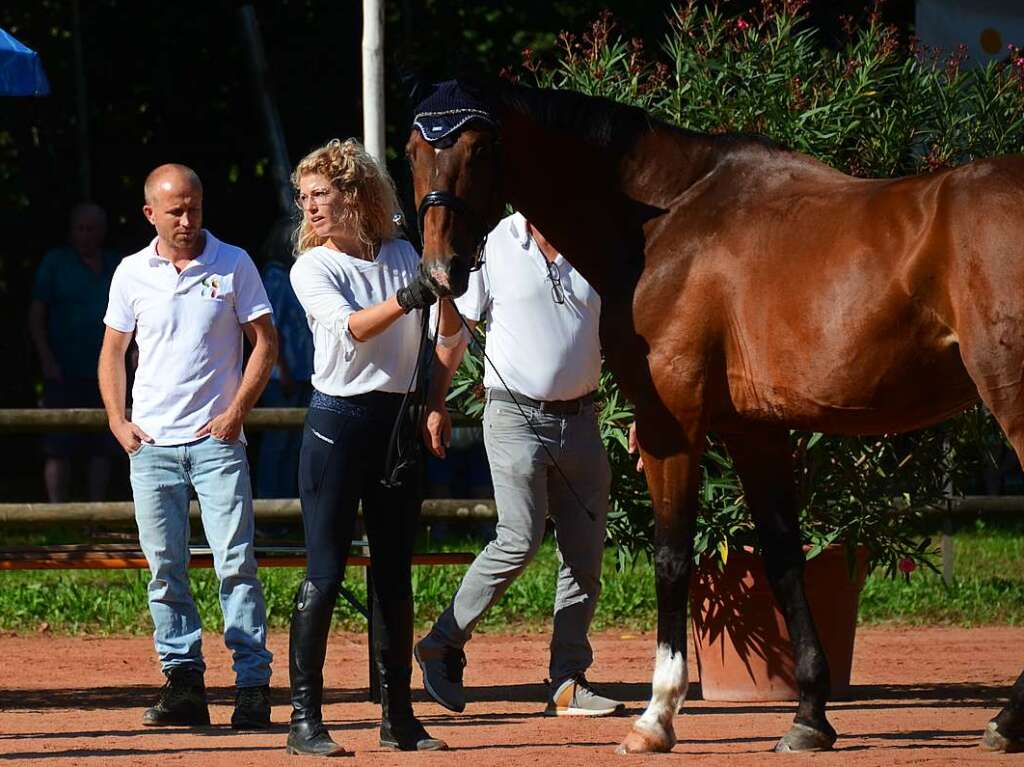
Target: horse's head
<point x="455" y="155"/>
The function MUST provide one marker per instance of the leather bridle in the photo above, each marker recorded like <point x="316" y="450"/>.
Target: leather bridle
<point x="441" y="199"/>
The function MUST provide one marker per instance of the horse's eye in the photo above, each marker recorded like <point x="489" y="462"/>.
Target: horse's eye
<point x="479" y="152"/>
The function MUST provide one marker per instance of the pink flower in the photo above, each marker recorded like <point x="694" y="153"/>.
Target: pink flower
<point x="907" y="565"/>
<point x="741" y="24"/>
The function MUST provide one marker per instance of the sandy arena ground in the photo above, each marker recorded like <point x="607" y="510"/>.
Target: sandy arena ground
<point x="921" y="696"/>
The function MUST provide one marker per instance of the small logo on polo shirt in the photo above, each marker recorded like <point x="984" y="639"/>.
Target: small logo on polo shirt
<point x="210" y="286"/>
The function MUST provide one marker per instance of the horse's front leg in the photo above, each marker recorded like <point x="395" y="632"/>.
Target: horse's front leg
<point x="673" y="483"/>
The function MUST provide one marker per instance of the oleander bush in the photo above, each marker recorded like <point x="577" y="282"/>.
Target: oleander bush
<point x="875" y="105"/>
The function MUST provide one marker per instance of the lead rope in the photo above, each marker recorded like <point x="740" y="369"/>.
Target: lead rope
<point x="402" y="452"/>
<point x="400" y="455"/>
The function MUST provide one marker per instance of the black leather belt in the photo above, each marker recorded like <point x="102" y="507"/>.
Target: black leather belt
<point x="555" y="407"/>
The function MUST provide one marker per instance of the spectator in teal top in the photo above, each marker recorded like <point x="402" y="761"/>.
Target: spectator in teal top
<point x="66" y="326"/>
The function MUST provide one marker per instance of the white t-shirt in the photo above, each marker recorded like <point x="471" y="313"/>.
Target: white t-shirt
<point x="331" y="286"/>
<point x="188" y="329"/>
<point x="545" y="350"/>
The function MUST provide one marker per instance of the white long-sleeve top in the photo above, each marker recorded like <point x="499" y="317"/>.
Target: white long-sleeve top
<point x="331" y="286"/>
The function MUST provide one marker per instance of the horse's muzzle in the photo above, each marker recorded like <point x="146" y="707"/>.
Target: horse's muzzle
<point x="451" y="279"/>
<point x="439" y="278"/>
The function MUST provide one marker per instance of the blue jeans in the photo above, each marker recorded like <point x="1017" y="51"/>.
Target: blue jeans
<point x="162" y="478"/>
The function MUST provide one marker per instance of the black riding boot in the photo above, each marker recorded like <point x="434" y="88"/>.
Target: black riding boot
<point x="307" y="649"/>
<point x="399" y="727"/>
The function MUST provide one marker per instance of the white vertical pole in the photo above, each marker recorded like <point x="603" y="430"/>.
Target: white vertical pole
<point x="373" y="78"/>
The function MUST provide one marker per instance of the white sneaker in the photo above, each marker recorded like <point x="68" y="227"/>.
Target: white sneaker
<point x="575" y="697"/>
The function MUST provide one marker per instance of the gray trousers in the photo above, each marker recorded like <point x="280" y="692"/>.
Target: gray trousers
<point x="527" y="488"/>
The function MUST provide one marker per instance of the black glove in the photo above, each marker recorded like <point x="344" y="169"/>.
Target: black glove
<point x="417" y="295"/>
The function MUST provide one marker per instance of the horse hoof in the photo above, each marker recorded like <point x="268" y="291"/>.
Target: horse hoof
<point x="803" y="738"/>
<point x="642" y="742"/>
<point x="993" y="740"/>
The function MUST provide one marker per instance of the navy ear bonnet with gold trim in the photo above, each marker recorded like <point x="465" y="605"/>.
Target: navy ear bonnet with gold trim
<point x="449" y="109"/>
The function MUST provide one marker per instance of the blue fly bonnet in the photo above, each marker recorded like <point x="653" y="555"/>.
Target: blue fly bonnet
<point x="446" y="111"/>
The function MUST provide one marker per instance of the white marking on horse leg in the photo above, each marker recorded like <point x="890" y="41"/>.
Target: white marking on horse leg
<point x="668" y="691"/>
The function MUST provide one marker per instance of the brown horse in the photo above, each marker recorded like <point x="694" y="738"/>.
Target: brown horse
<point x="748" y="289"/>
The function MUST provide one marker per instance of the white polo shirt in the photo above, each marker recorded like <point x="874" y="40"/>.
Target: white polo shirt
<point x="188" y="329"/>
<point x="545" y="350"/>
<point x="331" y="286"/>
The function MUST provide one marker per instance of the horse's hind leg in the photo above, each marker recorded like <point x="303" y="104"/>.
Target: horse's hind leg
<point x="1006" y="731"/>
<point x="992" y="348"/>
<point x="764" y="463"/>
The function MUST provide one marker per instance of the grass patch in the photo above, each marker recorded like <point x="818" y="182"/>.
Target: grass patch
<point x="989" y="588"/>
<point x="114" y="601"/>
<point x="988" y="585"/>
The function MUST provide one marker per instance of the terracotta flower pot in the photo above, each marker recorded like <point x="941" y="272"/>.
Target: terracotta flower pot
<point x="743" y="648"/>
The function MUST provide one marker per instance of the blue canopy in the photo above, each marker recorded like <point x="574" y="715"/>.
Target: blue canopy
<point x="21" y="71"/>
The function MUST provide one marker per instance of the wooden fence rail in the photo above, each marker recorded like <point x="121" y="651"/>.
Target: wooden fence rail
<point x="31" y="420"/>
<point x="23" y="420"/>
<point x="267" y="509"/>
<point x="271" y="509"/>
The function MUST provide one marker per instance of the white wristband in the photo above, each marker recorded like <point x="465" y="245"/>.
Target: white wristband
<point x="450" y="342"/>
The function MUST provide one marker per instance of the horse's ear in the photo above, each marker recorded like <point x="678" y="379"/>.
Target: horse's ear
<point x="415" y="83"/>
<point x="473" y="81"/>
<point x="470" y="73"/>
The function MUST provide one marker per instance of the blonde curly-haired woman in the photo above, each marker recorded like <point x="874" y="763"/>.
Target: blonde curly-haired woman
<point x="360" y="287"/>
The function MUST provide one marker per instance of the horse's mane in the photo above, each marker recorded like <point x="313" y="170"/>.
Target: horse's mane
<point x="598" y="121"/>
<point x="602" y="122"/>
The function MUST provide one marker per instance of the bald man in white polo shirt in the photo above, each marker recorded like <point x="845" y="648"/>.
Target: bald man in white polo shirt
<point x="542" y="335"/>
<point x="188" y="298"/>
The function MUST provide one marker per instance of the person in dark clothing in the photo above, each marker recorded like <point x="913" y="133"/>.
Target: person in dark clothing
<point x="66" y="326"/>
<point x="277" y="466"/>
<point x="363" y="298"/>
